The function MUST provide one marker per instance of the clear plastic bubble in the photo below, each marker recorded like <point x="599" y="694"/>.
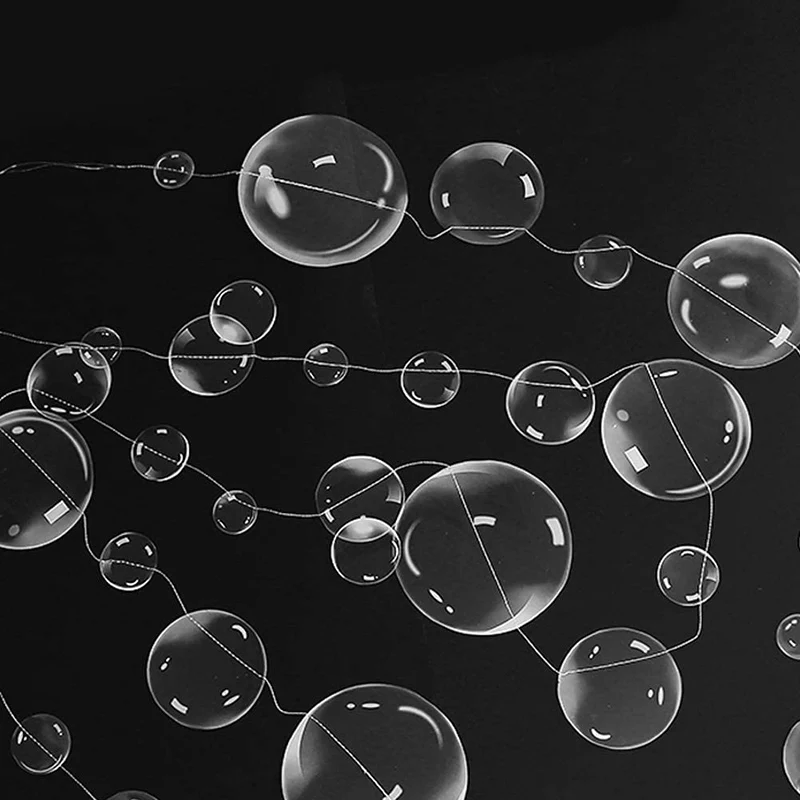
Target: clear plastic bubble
<point x="132" y="794"/>
<point x="374" y="741"/>
<point x="106" y="340"/>
<point x="173" y="169"/>
<point x="205" y="364"/>
<point x="487" y="184"/>
<point x="205" y="669"/>
<point x="41" y="745"/>
<point x="791" y="757"/>
<point x="46" y="479"/>
<point x="235" y="512"/>
<point x="787" y="636"/>
<point x="486" y="547"/>
<point x="358" y="486"/>
<point x="430" y="379"/>
<point x="624" y="706"/>
<point x="69" y="382"/>
<point x="325" y="365"/>
<point x="687" y="575"/>
<point x="735" y="300"/>
<point x="251" y="305"/>
<point x="365" y="551"/>
<point x="321" y="190"/>
<point x="640" y="439"/>
<point x="128" y="560"/>
<point x="159" y="453"/>
<point x="604" y="270"/>
<point x="550" y="415"/>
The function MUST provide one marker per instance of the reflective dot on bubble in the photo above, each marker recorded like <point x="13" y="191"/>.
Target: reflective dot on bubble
<point x="365" y="551"/>
<point x="351" y="198"/>
<point x="325" y="365"/>
<point x="70" y="381"/>
<point x="358" y="486"/>
<point x="235" y="512"/>
<point x="787" y="636"/>
<point x="41" y="745"/>
<point x="251" y="305"/>
<point x="160" y="453"/>
<point x="740" y="273"/>
<point x="487" y="547"/>
<point x="106" y="340"/>
<point x="373" y="741"/>
<point x="46" y="479"/>
<point x="640" y="441"/>
<point x="128" y="560"/>
<point x="205" y="669"/>
<point x="550" y="415"/>
<point x="620" y="707"/>
<point x="487" y="184"/>
<point x="603" y="270"/>
<point x="205" y="364"/>
<point x="132" y="794"/>
<point x="791" y="756"/>
<point x="687" y="575"/>
<point x="430" y="380"/>
<point x="173" y="169"/>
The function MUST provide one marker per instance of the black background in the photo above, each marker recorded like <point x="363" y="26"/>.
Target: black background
<point x="664" y="129"/>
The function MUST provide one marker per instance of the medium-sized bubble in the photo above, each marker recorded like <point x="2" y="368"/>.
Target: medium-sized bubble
<point x="159" y="453"/>
<point x="365" y="551"/>
<point x="325" y="365"/>
<point x="603" y="270"/>
<point x="251" y="305"/>
<point x="106" y="340"/>
<point x="791" y="756"/>
<point x="430" y="379"/>
<point x="128" y="560"/>
<point x="235" y="512"/>
<point x="173" y="169"/>
<point x="687" y="575"/>
<point x="41" y="745"/>
<point x="787" y="636"/>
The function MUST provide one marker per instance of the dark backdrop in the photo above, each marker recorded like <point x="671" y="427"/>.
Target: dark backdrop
<point x="664" y="129"/>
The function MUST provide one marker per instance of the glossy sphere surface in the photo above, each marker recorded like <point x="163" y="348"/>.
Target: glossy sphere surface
<point x="132" y="794"/>
<point x="173" y="169"/>
<point x="365" y="551"/>
<point x="486" y="547"/>
<point x="105" y="340"/>
<point x="787" y="636"/>
<point x="41" y="745"/>
<point x="688" y="575"/>
<point x="251" y="305"/>
<point x="603" y="270"/>
<point x="235" y="512"/>
<point x="791" y="757"/>
<point x="128" y="560"/>
<point x="430" y="380"/>
<point x="325" y="365"/>
<point x="159" y="453"/>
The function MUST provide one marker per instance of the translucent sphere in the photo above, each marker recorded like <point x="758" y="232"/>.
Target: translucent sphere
<point x="132" y="794"/>
<point x="374" y="741"/>
<point x="487" y="184"/>
<point x="160" y="453"/>
<point x="603" y="270"/>
<point x="555" y="413"/>
<point x="41" y="745"/>
<point x="687" y="575"/>
<point x="251" y="305"/>
<point x="235" y="512"/>
<point x="640" y="439"/>
<point x="325" y="365"/>
<point x="205" y="364"/>
<point x="46" y="479"/>
<point x="791" y="756"/>
<point x="173" y="170"/>
<point x="106" y="340"/>
<point x="321" y="191"/>
<point x="623" y="706"/>
<point x="206" y="669"/>
<point x="735" y="300"/>
<point x="365" y="551"/>
<point x="128" y="560"/>
<point x="69" y="382"/>
<point x="430" y="380"/>
<point x="358" y="486"/>
<point x="486" y="547"/>
<point x="787" y="636"/>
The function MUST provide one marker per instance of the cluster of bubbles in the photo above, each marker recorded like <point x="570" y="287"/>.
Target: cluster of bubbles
<point x="480" y="547"/>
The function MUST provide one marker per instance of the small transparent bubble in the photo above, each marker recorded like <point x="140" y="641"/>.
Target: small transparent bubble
<point x="325" y="365"/>
<point x="235" y="512"/>
<point x="603" y="270"/>
<point x="358" y="486"/>
<point x="105" y="340"/>
<point x="787" y="636"/>
<point x="365" y="551"/>
<point x="205" y="364"/>
<point x="791" y="756"/>
<point x="487" y="184"/>
<point x="173" y="170"/>
<point x="160" y="453"/>
<point x="556" y="412"/>
<point x="132" y="794"/>
<point x="69" y="382"/>
<point x="128" y="560"/>
<point x="41" y="745"/>
<point x="687" y="575"/>
<point x="430" y="379"/>
<point x="251" y="305"/>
